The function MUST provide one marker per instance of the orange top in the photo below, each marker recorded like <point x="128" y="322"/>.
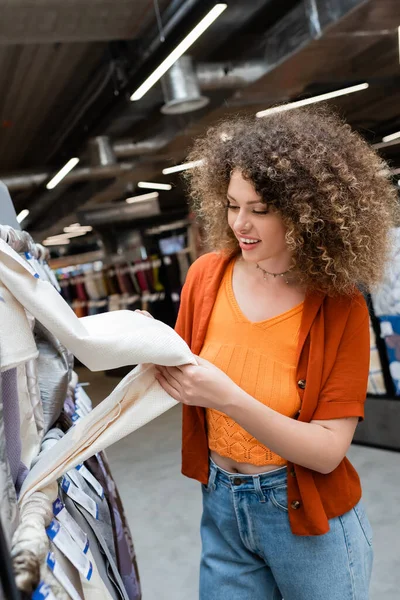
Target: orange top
<point x="332" y="365"/>
<point x="260" y="358"/>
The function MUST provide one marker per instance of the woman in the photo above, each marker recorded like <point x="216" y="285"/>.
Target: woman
<point x="297" y="209"/>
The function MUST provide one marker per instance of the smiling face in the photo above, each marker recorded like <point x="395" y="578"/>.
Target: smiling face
<point x="260" y="231"/>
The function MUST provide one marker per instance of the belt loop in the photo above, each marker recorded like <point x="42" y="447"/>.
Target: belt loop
<point x="257" y="487"/>
<point x="211" y="479"/>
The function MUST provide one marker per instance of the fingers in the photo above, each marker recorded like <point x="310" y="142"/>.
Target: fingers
<point x="168" y="387"/>
<point x="171" y="374"/>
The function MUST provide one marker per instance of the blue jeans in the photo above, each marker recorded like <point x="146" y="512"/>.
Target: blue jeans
<point x="250" y="553"/>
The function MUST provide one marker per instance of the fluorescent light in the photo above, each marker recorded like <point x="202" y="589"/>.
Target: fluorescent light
<point x="73" y="226"/>
<point x="391" y="137"/>
<point x="313" y="100"/>
<point x="179" y="50"/>
<point x="183" y="167"/>
<point x="154" y="186"/>
<point x="78" y="229"/>
<point x="61" y="174"/>
<point x="22" y="215"/>
<point x="54" y="240"/>
<point x="142" y="197"/>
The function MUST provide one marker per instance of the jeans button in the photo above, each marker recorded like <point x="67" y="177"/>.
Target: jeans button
<point x="237" y="481"/>
<point x="295" y="504"/>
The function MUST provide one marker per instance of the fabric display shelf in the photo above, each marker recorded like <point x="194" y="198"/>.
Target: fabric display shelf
<point x="63" y="529"/>
<point x="123" y="282"/>
<point x="382" y="421"/>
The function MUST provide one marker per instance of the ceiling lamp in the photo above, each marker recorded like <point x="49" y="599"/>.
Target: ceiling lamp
<point x="148" y="185"/>
<point x="183" y="167"/>
<point x="22" y="215"/>
<point x="181" y="89"/>
<point x="391" y="137"/>
<point x="313" y="100"/>
<point x="179" y="51"/>
<point x="62" y="173"/>
<point x="142" y="197"/>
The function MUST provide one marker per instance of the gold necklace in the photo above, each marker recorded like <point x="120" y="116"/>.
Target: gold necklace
<point x="274" y="275"/>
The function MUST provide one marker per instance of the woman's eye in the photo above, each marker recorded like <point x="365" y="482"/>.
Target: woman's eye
<point x="230" y="206"/>
<point x="260" y="212"/>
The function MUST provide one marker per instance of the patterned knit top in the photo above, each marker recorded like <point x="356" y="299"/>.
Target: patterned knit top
<point x="259" y="357"/>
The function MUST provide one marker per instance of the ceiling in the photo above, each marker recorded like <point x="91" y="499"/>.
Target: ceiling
<point x="67" y="70"/>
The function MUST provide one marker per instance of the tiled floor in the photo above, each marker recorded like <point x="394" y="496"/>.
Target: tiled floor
<point x="164" y="508"/>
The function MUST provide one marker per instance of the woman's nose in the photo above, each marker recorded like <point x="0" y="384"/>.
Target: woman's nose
<point x="241" y="223"/>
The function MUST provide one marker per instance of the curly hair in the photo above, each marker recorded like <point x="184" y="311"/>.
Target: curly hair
<point x="331" y="189"/>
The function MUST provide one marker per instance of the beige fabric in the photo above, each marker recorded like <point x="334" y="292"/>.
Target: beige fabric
<point x="100" y="342"/>
<point x="95" y="589"/>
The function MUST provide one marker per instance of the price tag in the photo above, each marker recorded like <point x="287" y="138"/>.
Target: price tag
<point x="64" y="542"/>
<point x="43" y="592"/>
<point x="61" y="576"/>
<point x="63" y="516"/>
<point x="75" y="493"/>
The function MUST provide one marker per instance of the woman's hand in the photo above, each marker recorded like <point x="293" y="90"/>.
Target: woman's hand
<point x="198" y="385"/>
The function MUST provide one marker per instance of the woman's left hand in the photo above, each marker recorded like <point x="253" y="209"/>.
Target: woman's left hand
<point x="197" y="385"/>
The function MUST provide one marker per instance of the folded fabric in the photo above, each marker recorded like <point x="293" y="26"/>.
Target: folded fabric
<point x="105" y="341"/>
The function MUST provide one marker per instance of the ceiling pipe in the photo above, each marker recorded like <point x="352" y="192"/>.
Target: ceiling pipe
<point x="213" y="76"/>
<point x="181" y="88"/>
<point x="103" y="154"/>
<point x="33" y="180"/>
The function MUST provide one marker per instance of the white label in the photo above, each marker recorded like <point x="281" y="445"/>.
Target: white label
<point x="43" y="592"/>
<point x="82" y="398"/>
<point x="61" y="576"/>
<point x="98" y="488"/>
<point x="64" y="542"/>
<point x="62" y="515"/>
<point x="80" y="497"/>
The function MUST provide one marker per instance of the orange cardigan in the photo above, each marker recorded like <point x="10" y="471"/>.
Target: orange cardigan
<point x="332" y="375"/>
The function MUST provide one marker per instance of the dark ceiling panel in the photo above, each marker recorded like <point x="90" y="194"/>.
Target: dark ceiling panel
<point x="53" y="21"/>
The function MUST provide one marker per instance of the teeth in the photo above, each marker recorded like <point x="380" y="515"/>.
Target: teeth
<point x="248" y="241"/>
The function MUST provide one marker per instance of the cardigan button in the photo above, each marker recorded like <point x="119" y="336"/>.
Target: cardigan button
<point x="293" y="473"/>
<point x="302" y="384"/>
<point x="295" y="504"/>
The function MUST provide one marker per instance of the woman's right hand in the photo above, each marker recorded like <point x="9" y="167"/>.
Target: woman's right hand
<point x="144" y="313"/>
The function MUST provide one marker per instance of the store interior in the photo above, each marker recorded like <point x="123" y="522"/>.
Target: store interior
<point x="100" y="103"/>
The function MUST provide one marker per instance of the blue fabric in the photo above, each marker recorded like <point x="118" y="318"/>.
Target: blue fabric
<point x="250" y="553"/>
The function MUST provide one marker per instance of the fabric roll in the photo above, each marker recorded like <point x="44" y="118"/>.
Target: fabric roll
<point x="101" y="558"/>
<point x="34" y="395"/>
<point x="126" y="557"/>
<point x="17" y="344"/>
<point x="105" y="341"/>
<point x="9" y="513"/>
<point x="91" y="287"/>
<point x="53" y="365"/>
<point x="11" y="421"/>
<point x="95" y="589"/>
<point x="30" y="438"/>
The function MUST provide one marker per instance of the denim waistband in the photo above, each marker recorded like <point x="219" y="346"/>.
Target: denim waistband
<point x="243" y="481"/>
